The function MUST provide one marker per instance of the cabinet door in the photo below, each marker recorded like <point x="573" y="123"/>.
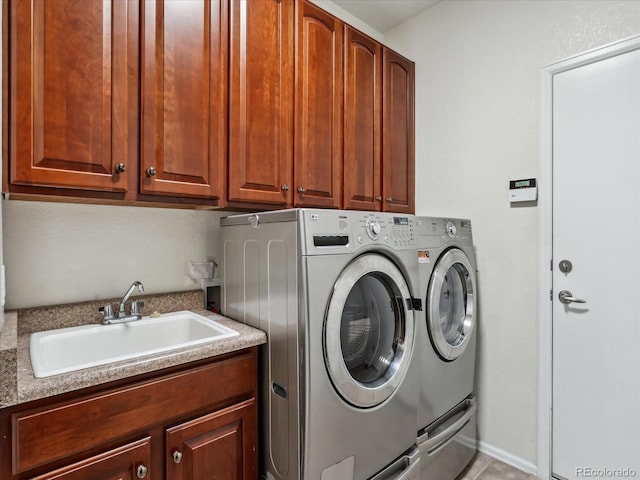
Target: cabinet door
<point x="260" y="101"/>
<point x="363" y="100"/>
<point x="398" y="157"/>
<point x="318" y="146"/>
<point x="68" y="93"/>
<point x="184" y="99"/>
<point x="219" y="446"/>
<point x="129" y="462"/>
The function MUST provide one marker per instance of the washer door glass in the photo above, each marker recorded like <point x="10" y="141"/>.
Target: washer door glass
<point x="451" y="299"/>
<point x="368" y="331"/>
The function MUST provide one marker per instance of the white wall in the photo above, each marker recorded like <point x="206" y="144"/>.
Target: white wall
<point x="477" y="81"/>
<point x="336" y="10"/>
<point x="59" y="252"/>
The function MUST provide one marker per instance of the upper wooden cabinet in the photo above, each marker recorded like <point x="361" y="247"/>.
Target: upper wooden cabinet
<point x="238" y="103"/>
<point x="398" y="160"/>
<point x="379" y="127"/>
<point x="184" y="97"/>
<point x="261" y="101"/>
<point x="318" y="96"/>
<point x="69" y="94"/>
<point x="362" y="122"/>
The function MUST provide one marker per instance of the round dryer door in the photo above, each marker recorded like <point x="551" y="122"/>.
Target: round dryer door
<point x="451" y="304"/>
<point x="368" y="331"/>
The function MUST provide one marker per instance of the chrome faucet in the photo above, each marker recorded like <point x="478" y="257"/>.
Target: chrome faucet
<point x="108" y="317"/>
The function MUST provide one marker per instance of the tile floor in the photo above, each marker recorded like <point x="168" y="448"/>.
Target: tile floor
<point x="484" y="467"/>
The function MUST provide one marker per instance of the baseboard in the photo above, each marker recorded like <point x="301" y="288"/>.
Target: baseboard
<point x="507" y="458"/>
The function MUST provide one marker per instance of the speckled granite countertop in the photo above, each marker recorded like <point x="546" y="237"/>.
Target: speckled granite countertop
<point x="19" y="385"/>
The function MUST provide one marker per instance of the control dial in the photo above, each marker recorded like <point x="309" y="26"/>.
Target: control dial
<point x="451" y="230"/>
<point x="373" y="228"/>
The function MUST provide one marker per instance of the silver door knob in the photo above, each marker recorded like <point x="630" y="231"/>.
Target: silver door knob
<point x="141" y="471"/>
<point x="177" y="456"/>
<point x="301" y="190"/>
<point x="566" y="297"/>
<point x="120" y="168"/>
<point x="285" y="188"/>
<point x="151" y="171"/>
<point x="389" y="199"/>
<point x="378" y="198"/>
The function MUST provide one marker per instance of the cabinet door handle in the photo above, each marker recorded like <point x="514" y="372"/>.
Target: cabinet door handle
<point x="285" y="188"/>
<point x="142" y="471"/>
<point x="151" y="171"/>
<point x="389" y="199"/>
<point x="177" y="456"/>
<point x="120" y="168"/>
<point x="378" y="198"/>
<point x="301" y="190"/>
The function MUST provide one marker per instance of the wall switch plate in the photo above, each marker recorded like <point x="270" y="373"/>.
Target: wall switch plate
<point x="200" y="270"/>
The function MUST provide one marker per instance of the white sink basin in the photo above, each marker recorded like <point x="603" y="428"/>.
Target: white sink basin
<point x="69" y="349"/>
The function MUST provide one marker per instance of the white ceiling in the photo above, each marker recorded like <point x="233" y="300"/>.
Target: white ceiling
<point x="383" y="15"/>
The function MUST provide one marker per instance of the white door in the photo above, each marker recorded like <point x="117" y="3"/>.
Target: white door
<point x="596" y="227"/>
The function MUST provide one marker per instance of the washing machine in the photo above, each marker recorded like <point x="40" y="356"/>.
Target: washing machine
<point x="334" y="291"/>
<point x="446" y="346"/>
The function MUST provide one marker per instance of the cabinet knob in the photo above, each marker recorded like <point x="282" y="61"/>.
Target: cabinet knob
<point x="151" y="171"/>
<point x="389" y="199"/>
<point x="301" y="190"/>
<point x="378" y="198"/>
<point x="285" y="188"/>
<point x="120" y="168"/>
<point x="177" y="456"/>
<point x="141" y="471"/>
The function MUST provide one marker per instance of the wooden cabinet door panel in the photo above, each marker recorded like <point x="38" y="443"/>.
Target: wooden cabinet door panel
<point x="219" y="446"/>
<point x="398" y="156"/>
<point x="363" y="93"/>
<point x="184" y="96"/>
<point x="117" y="464"/>
<point x="318" y="146"/>
<point x="68" y="93"/>
<point x="260" y="100"/>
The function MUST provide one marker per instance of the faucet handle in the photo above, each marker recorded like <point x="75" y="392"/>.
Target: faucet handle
<point x="136" y="308"/>
<point x="107" y="312"/>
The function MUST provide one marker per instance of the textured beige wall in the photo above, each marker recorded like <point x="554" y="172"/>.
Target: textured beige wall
<point x="60" y="253"/>
<point x="477" y="96"/>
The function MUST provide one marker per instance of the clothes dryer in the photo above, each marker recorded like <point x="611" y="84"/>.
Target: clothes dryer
<point x="446" y="346"/>
<point x="334" y="291"/>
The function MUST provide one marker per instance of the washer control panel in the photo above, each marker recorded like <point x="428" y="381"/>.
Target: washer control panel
<point x="388" y="229"/>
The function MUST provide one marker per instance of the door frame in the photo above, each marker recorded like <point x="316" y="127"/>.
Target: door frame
<point x="545" y="232"/>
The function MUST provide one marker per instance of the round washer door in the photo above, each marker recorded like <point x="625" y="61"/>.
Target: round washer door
<point x="451" y="297"/>
<point x="368" y="331"/>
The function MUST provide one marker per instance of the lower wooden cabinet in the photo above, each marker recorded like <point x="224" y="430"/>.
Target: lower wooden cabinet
<point x="127" y="462"/>
<point x="196" y="423"/>
<point x="220" y="445"/>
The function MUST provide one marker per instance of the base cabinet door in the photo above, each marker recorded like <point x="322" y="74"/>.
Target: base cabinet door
<point x="218" y="446"/>
<point x="129" y="462"/>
